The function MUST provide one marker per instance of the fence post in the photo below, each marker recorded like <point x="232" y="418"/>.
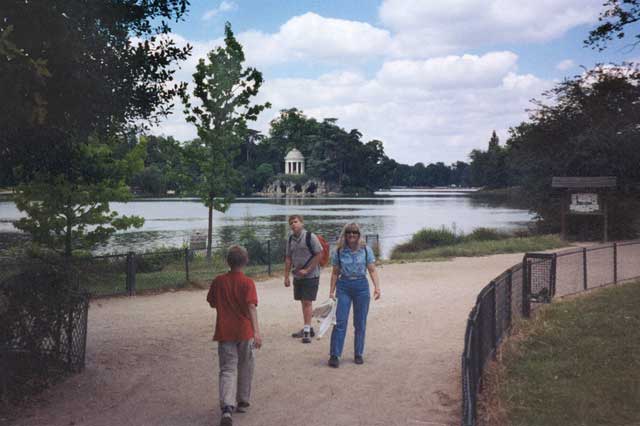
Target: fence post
<point x="552" y="285"/>
<point x="615" y="263"/>
<point x="131" y="273"/>
<point x="526" y="284"/>
<point x="584" y="266"/>
<point x="509" y="289"/>
<point x="494" y="322"/>
<point x="186" y="262"/>
<point x="269" y="256"/>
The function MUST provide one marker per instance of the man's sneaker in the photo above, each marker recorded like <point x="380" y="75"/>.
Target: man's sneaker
<point x="242" y="407"/>
<point x="358" y="359"/>
<point x="334" y="361"/>
<point x="226" y="416"/>
<point x="299" y="334"/>
<point x="306" y="337"/>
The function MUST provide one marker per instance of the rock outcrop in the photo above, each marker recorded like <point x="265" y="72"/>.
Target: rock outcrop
<point x="307" y="188"/>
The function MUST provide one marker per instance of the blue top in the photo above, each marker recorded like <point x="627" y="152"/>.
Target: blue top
<point x="352" y="263"/>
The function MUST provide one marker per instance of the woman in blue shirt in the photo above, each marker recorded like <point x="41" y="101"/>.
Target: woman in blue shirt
<point x="351" y="261"/>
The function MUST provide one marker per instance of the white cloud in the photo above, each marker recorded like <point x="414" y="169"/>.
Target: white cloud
<point x="429" y="100"/>
<point x="224" y="6"/>
<point x="565" y="65"/>
<point x="311" y="37"/>
<point x="423" y="117"/>
<point x="450" y="72"/>
<point x="426" y="27"/>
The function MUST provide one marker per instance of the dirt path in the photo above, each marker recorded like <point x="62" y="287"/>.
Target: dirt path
<point x="151" y="362"/>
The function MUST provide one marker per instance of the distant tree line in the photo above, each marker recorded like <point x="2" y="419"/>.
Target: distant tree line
<point x="332" y="154"/>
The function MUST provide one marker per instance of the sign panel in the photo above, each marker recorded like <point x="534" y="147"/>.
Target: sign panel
<point x="584" y="203"/>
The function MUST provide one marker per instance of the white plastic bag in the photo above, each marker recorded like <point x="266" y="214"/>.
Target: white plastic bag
<point x="325" y="315"/>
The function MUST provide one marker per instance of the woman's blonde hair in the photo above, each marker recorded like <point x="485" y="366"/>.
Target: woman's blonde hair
<point x="342" y="242"/>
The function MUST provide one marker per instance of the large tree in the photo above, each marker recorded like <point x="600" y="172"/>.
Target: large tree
<point x="224" y="90"/>
<point x="75" y="77"/>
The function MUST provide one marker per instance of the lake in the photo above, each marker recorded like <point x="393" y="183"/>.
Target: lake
<point x="393" y="215"/>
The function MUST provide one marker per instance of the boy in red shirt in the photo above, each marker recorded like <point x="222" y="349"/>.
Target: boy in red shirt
<point x="233" y="296"/>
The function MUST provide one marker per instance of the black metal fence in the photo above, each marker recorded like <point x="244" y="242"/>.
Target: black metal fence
<point x="43" y="327"/>
<point x="537" y="279"/>
<point x="131" y="273"/>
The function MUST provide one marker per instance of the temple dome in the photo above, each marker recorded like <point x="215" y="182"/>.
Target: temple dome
<point x="294" y="155"/>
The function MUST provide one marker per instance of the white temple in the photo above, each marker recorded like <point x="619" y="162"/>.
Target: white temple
<point x="294" y="163"/>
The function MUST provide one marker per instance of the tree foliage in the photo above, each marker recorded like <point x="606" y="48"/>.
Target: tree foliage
<point x="71" y="211"/>
<point x="76" y="69"/>
<point x="614" y="21"/>
<point x="489" y="168"/>
<point x="341" y="157"/>
<point x="75" y="77"/>
<point x="586" y="126"/>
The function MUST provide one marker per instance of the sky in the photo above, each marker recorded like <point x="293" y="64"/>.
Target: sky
<point x="431" y="79"/>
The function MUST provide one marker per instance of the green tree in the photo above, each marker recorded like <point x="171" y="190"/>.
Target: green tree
<point x="224" y="90"/>
<point x="72" y="210"/>
<point x="489" y="168"/>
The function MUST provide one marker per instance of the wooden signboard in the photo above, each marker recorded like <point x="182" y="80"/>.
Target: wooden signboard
<point x="584" y="196"/>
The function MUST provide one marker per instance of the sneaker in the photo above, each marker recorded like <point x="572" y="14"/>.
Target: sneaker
<point x="334" y="361"/>
<point x="242" y="407"/>
<point x="299" y="334"/>
<point x="226" y="416"/>
<point x="358" y="359"/>
<point x="306" y="338"/>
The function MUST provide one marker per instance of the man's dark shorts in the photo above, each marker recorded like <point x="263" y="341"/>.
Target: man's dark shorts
<point x="305" y="288"/>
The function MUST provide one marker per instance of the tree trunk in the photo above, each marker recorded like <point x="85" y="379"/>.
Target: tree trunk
<point x="67" y="239"/>
<point x="210" y="230"/>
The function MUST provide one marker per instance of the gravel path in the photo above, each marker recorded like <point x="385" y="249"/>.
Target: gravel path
<point x="151" y="361"/>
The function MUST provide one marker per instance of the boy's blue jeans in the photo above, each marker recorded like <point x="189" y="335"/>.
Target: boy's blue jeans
<point x="348" y="292"/>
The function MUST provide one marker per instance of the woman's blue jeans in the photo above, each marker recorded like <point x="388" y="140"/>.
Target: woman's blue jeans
<point x="348" y="292"/>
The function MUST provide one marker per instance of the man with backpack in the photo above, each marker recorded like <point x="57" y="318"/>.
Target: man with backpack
<point x="304" y="252"/>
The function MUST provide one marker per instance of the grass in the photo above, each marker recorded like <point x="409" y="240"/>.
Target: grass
<point x="576" y="363"/>
<point x="473" y="247"/>
<point x="111" y="279"/>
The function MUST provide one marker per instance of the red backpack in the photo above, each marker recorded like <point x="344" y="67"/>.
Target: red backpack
<point x="324" y="260"/>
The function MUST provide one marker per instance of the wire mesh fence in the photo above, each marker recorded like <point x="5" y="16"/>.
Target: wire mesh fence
<point x="537" y="279"/>
<point x="490" y="319"/>
<point x="44" y="326"/>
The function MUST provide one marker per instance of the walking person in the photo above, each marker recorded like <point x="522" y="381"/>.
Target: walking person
<point x="351" y="261"/>
<point x="302" y="258"/>
<point x="233" y="296"/>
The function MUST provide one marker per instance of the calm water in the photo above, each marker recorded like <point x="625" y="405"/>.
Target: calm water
<point x="394" y="215"/>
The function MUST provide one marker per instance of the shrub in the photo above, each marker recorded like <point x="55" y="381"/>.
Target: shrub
<point x="428" y="238"/>
<point x="486" y="234"/>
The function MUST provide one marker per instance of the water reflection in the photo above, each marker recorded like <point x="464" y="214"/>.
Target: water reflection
<point x="394" y="216"/>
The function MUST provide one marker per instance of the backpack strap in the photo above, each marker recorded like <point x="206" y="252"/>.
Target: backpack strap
<point x="309" y="247"/>
<point x="308" y="241"/>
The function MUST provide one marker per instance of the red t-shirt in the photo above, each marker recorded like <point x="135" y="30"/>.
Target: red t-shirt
<point x="231" y="294"/>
